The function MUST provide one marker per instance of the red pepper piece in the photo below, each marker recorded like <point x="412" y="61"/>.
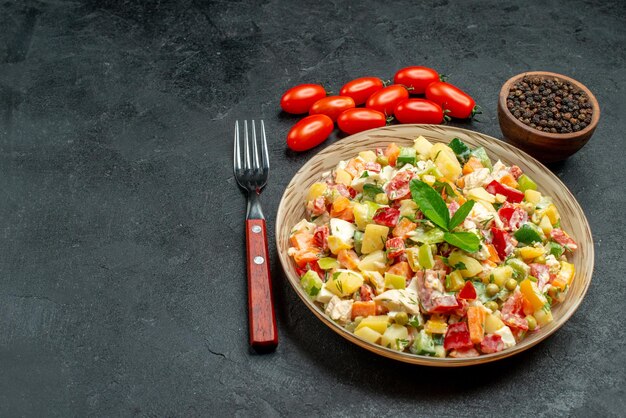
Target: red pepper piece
<point x="511" y="194"/>
<point x="492" y="343"/>
<point x="320" y="237"/>
<point x="457" y="337"/>
<point x="387" y="216"/>
<point x="395" y="247"/>
<point x="500" y="242"/>
<point x="468" y="292"/>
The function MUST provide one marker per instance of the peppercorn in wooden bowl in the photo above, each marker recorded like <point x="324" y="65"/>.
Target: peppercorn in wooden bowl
<point x="548" y="115"/>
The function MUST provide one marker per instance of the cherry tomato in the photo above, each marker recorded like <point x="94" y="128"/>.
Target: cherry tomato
<point x="309" y="132"/>
<point x="361" y="89"/>
<point x="300" y="98"/>
<point x="356" y="120"/>
<point x="332" y="106"/>
<point x="418" y="111"/>
<point x="459" y="104"/>
<point x="387" y="99"/>
<point x="416" y="77"/>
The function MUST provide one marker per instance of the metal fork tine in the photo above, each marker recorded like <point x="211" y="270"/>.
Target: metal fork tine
<point x="246" y="165"/>
<point x="264" y="153"/>
<point x="255" y="164"/>
<point x="237" y="150"/>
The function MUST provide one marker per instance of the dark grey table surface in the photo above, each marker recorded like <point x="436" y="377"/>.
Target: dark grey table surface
<point x="122" y="274"/>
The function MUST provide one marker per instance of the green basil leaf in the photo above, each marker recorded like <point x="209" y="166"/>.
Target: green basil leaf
<point x="466" y="241"/>
<point x="430" y="203"/>
<point x="461" y="214"/>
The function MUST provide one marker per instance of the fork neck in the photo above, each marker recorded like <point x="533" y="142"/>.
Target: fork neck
<point x="254" y="206"/>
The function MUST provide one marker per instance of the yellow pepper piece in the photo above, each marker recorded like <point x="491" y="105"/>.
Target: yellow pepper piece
<point x="532" y="294"/>
<point x="435" y="327"/>
<point x="528" y="253"/>
<point x="316" y="190"/>
<point x="336" y="244"/>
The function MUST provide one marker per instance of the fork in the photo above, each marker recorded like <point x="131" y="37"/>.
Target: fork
<point x="251" y="175"/>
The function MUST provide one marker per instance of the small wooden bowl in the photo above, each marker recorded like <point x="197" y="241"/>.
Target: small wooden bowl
<point x="545" y="146"/>
<point x="292" y="209"/>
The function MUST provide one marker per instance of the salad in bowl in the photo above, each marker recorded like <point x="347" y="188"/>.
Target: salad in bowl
<point x="432" y="250"/>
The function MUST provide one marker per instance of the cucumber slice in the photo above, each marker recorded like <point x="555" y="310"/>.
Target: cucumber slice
<point x="461" y="150"/>
<point x="526" y="183"/>
<point x="423" y="344"/>
<point x="425" y="256"/>
<point x="406" y="156"/>
<point x="481" y="154"/>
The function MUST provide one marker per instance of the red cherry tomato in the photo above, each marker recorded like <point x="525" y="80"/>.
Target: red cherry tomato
<point x="416" y="77"/>
<point x="459" y="104"/>
<point x="299" y="99"/>
<point x="361" y="89"/>
<point x="418" y="111"/>
<point x="332" y="106"/>
<point x="309" y="132"/>
<point x="387" y="99"/>
<point x="356" y="120"/>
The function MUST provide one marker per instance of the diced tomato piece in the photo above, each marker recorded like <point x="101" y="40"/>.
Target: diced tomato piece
<point x="395" y="247"/>
<point x="468" y="292"/>
<point x="403" y="227"/>
<point x="512" y="218"/>
<point x="501" y="242"/>
<point x="387" y="216"/>
<point x="363" y="308"/>
<point x="398" y="187"/>
<point x="457" y="337"/>
<point x="461" y="308"/>
<point x="313" y="265"/>
<point x="352" y="192"/>
<point x="373" y="167"/>
<point x="492" y="343"/>
<point x="320" y="237"/>
<point x="516" y="171"/>
<point x="401" y="269"/>
<point x="464" y="353"/>
<point x="513" y="312"/>
<point x="562" y="238"/>
<point x="542" y="273"/>
<point x="301" y="270"/>
<point x="391" y="152"/>
<point x="366" y="292"/>
<point x="511" y="194"/>
<point x="348" y="259"/>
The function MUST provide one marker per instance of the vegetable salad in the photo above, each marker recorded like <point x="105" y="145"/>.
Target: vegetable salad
<point x="433" y="250"/>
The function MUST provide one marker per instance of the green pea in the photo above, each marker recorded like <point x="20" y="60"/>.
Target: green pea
<point x="492" y="289"/>
<point x="532" y="322"/>
<point x="492" y="304"/>
<point x="401" y="318"/>
<point x="511" y="284"/>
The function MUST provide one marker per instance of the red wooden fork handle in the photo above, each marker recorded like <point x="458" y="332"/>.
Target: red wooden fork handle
<point x="262" y="321"/>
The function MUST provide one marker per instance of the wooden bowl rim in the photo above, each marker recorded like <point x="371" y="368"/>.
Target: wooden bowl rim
<point x="506" y="87"/>
<point x="285" y="260"/>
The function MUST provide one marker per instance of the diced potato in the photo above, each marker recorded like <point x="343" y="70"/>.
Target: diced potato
<point x="543" y="316"/>
<point x="532" y="294"/>
<point x="446" y="161"/>
<point x="472" y="266"/>
<point x="428" y="179"/>
<point x="382" y="199"/>
<point x="422" y="146"/>
<point x="532" y="196"/>
<point x="479" y="193"/>
<point x="378" y="323"/>
<point x="529" y="253"/>
<point x="368" y="334"/>
<point x="545" y="225"/>
<point x="375" y="279"/>
<point x="345" y="283"/>
<point x="362" y="215"/>
<point x="341" y="229"/>
<point x="492" y="324"/>
<point x="501" y="275"/>
<point x="408" y="207"/>
<point x="368" y="156"/>
<point x="316" y="190"/>
<point x="395" y="337"/>
<point x="343" y="177"/>
<point x="336" y="244"/>
<point x="375" y="261"/>
<point x="552" y="213"/>
<point x="374" y="238"/>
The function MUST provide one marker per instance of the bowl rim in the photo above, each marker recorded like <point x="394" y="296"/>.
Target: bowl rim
<point x="506" y="87"/>
<point x="409" y="357"/>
